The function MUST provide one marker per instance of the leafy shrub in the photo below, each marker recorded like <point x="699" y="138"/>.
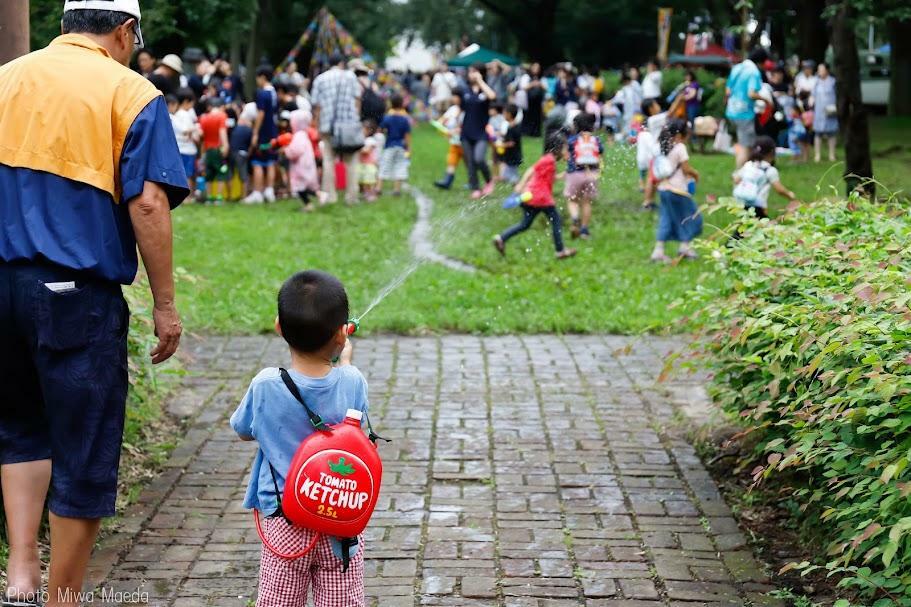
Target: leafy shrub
<point x="808" y="338"/>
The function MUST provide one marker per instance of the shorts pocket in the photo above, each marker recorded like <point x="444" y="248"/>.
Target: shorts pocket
<point x="64" y="319"/>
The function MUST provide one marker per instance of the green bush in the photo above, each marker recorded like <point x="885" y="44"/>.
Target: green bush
<point x="808" y="339"/>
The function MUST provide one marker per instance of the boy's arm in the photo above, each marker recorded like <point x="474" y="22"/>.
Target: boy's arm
<point x="242" y="419"/>
<point x="260" y="116"/>
<point x="347" y="354"/>
<point x="223" y="136"/>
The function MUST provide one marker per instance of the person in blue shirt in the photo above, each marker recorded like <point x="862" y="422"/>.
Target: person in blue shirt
<point x="394" y="160"/>
<point x="264" y="159"/>
<point x="742" y="91"/>
<point x="93" y="173"/>
<point x="313" y="320"/>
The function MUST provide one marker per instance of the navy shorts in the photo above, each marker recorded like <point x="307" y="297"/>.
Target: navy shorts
<point x="63" y="382"/>
<point x="262" y="158"/>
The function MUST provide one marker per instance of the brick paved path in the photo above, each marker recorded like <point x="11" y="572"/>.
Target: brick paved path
<point x="529" y="471"/>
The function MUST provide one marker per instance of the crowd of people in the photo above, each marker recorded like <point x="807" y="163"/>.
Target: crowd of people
<point x="349" y="129"/>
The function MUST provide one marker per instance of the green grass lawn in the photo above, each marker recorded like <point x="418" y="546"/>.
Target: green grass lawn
<point x="237" y="256"/>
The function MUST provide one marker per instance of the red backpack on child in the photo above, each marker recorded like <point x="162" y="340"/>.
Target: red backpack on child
<point x="333" y="483"/>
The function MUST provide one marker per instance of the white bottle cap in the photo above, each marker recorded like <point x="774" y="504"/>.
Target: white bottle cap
<point x="354" y="414"/>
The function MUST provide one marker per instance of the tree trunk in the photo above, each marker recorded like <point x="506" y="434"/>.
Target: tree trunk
<point x="253" y="49"/>
<point x="900" y="67"/>
<point x="14" y="30"/>
<point x="812" y="32"/>
<point x="852" y="116"/>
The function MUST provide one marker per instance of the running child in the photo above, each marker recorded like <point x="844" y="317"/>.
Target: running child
<point x="452" y="122"/>
<point x="312" y="319"/>
<point x="583" y="170"/>
<point x="678" y="217"/>
<point x="394" y="160"/>
<point x="538" y="182"/>
<point x="754" y="180"/>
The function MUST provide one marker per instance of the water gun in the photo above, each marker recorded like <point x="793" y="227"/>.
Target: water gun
<point x="440" y="127"/>
<point x="515" y="199"/>
<point x="282" y="141"/>
<point x="353" y="326"/>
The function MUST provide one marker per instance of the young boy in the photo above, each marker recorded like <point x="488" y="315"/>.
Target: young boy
<point x="452" y="121"/>
<point x="647" y="144"/>
<point x="214" y="125"/>
<point x="312" y="319"/>
<point x="394" y="159"/>
<point x="512" y="146"/>
<point x="186" y="131"/>
<point x="265" y="128"/>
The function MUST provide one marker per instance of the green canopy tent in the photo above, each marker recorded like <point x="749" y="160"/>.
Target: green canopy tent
<point x="478" y="54"/>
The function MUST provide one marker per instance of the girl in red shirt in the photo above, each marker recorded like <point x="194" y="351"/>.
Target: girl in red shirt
<point x="538" y="182"/>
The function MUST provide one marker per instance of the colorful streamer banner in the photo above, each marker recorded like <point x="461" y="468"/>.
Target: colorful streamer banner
<point x="329" y="36"/>
<point x="664" y="32"/>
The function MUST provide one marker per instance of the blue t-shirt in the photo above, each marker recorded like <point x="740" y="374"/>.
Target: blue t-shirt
<point x="396" y="127"/>
<point x="267" y="103"/>
<point x="277" y="421"/>
<point x="78" y="226"/>
<point x="476" y="107"/>
<point x="744" y="79"/>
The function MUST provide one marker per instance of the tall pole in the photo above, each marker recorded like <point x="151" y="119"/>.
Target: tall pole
<point x="14" y="32"/>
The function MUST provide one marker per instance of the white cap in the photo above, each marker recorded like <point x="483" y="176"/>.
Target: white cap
<point x="130" y="7"/>
<point x="174" y="62"/>
<point x="354" y="414"/>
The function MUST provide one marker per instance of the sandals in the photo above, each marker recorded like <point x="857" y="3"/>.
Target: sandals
<point x="659" y="258"/>
<point x="499" y="245"/>
<point x="566" y="253"/>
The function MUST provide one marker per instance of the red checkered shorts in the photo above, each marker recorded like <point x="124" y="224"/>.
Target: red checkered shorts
<point x="286" y="583"/>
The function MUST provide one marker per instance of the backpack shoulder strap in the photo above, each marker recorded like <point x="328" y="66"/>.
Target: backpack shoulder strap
<point x="315" y="419"/>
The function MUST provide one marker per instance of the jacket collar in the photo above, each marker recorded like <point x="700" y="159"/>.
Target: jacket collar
<point x="80" y="41"/>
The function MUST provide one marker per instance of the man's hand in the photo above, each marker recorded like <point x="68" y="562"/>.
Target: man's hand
<point x="167" y="330"/>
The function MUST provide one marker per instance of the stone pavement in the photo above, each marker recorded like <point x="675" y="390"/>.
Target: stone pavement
<point x="524" y="471"/>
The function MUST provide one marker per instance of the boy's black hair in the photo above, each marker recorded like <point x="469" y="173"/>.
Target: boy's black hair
<point x="512" y="109"/>
<point x="759" y="55"/>
<point x="169" y="99"/>
<point x="647" y="105"/>
<point x="185" y="94"/>
<point x="584" y="122"/>
<point x="266" y="72"/>
<point x="397" y="102"/>
<point x="458" y="92"/>
<point x="625" y="78"/>
<point x="312" y="306"/>
<point x="555" y="143"/>
<point x="497" y="107"/>
<point x="764" y="146"/>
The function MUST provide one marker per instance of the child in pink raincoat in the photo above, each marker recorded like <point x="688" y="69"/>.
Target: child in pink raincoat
<point x="302" y="172"/>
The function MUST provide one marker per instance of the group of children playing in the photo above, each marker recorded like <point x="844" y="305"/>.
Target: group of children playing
<point x="215" y="141"/>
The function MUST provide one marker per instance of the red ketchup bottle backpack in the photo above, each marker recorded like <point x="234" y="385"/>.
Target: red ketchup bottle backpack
<point x="333" y="483"/>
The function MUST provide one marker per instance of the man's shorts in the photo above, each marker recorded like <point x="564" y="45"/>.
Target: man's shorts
<point x="263" y="159"/>
<point x="63" y="382"/>
<point x="189" y="164"/>
<point x="454" y="155"/>
<point x="394" y="164"/>
<point x="216" y="169"/>
<point x="746" y="132"/>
